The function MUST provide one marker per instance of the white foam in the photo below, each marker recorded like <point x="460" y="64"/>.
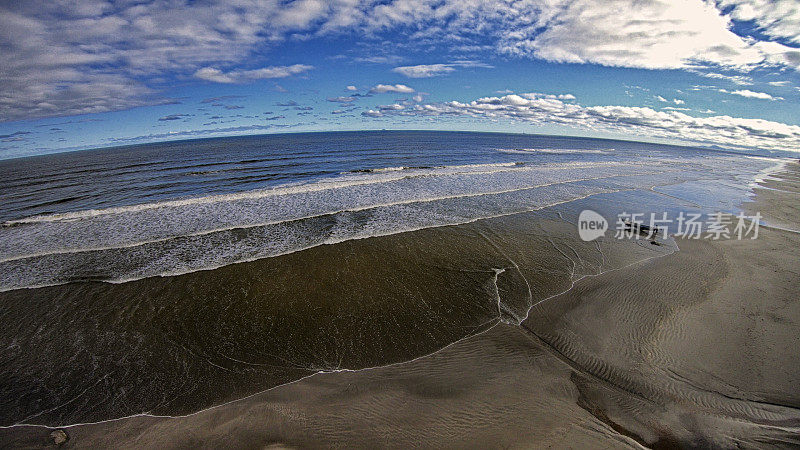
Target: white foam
<point x="124" y="226"/>
<point x="766" y="173"/>
<point x="185" y="235"/>
<point x="556" y="151"/>
<point x="319" y="214"/>
<point x="348" y="180"/>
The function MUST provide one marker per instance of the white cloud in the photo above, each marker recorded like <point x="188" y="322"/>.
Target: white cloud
<point x="424" y="70"/>
<point x="751" y="94"/>
<point x="678" y="101"/>
<point x="779" y="54"/>
<point x="218" y="76"/>
<point x="276" y="71"/>
<point x="212" y="74"/>
<point x="672" y="125"/>
<point x="352" y="88"/>
<point x="634" y="34"/>
<point x="103" y="55"/>
<point x="661" y="99"/>
<point x="658" y="34"/>
<point x="342" y="100"/>
<point x="398" y="88"/>
<point x="384" y="59"/>
<point x="432" y="70"/>
<point x="737" y="79"/>
<point x="776" y="18"/>
<point x="88" y="57"/>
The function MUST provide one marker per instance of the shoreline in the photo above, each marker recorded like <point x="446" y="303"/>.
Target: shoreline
<point x="557" y="227"/>
<point x="601" y="418"/>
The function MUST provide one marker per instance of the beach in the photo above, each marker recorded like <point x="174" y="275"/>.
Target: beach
<point x="380" y="224"/>
<point x="695" y="347"/>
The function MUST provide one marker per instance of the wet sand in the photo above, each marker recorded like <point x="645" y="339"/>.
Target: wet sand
<point x="693" y="348"/>
<point x="91" y="351"/>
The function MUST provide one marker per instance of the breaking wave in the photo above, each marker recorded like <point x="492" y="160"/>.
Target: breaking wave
<point x="183" y="235"/>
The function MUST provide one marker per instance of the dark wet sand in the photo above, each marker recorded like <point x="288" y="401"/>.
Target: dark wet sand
<point x="91" y="351"/>
<point x="696" y="348"/>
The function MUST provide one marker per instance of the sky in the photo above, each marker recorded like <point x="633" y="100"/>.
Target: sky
<point x="92" y="73"/>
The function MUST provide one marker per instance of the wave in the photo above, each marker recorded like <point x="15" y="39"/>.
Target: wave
<point x="199" y="233"/>
<point x="767" y="172"/>
<point x="391" y="169"/>
<point x="190" y="253"/>
<point x="336" y="183"/>
<point x="320" y="214"/>
<point x="556" y="151"/>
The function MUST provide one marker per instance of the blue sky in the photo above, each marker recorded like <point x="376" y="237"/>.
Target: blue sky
<point x="96" y="73"/>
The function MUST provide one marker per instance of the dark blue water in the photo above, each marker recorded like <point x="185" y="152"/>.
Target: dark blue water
<point x="161" y="209"/>
<point x="150" y="172"/>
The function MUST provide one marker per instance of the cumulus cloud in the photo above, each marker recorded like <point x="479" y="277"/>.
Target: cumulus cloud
<point x="88" y="57"/>
<point x="737" y="79"/>
<point x="751" y="94"/>
<point x="238" y="76"/>
<point x="424" y="70"/>
<point x="432" y="70"/>
<point x="342" y="99"/>
<point x="276" y="71"/>
<point x="172" y="117"/>
<point x="673" y="125"/>
<point x="621" y="33"/>
<point x="658" y="34"/>
<point x="212" y="74"/>
<point x="398" y="88"/>
<point x="776" y="18"/>
<point x="352" y="88"/>
<point x="74" y="58"/>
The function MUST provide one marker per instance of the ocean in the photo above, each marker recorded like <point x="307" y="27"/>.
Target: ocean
<point x="167" y="278"/>
<point x="163" y="209"/>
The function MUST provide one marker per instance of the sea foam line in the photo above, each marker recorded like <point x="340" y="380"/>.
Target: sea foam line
<point x="555" y="151"/>
<point x="323" y="372"/>
<point x="497" y="321"/>
<point x="767" y="173"/>
<point x="316" y="215"/>
<point x="317" y="186"/>
<point x="327" y="242"/>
